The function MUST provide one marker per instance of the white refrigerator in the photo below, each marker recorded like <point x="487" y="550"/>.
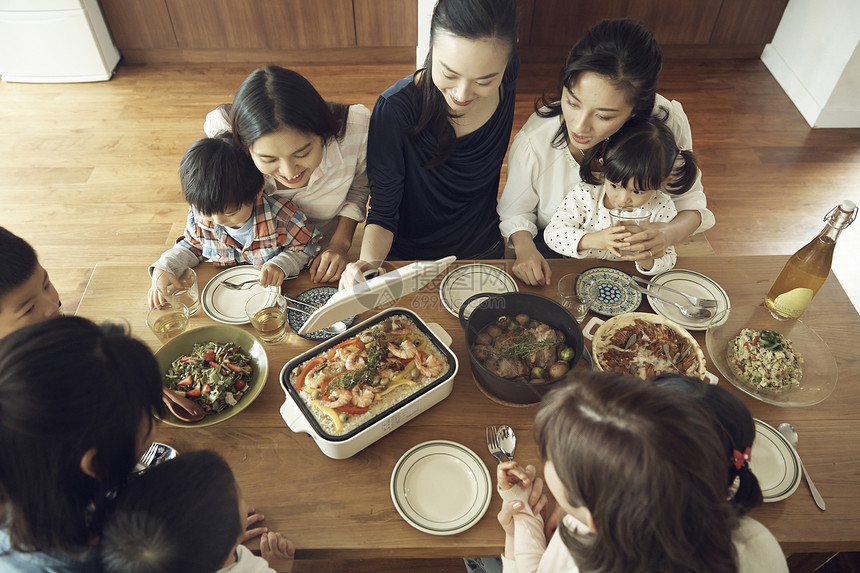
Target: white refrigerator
<point x="50" y="41"/>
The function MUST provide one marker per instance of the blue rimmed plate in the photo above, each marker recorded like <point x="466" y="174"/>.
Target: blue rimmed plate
<point x="614" y="294"/>
<point x="441" y="487"/>
<point x="228" y="305"/>
<point x="774" y="463"/>
<point x="467" y="280"/>
<point x="317" y="296"/>
<point x="693" y="284"/>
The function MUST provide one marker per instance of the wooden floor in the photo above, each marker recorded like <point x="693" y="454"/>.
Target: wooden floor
<point x="88" y="172"/>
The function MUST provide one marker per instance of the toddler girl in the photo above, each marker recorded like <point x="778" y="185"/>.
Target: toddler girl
<point x="639" y="473"/>
<point x="634" y="164"/>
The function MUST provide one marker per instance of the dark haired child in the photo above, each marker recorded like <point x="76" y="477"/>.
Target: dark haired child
<point x="639" y="160"/>
<point x="76" y="405"/>
<point x="639" y="474"/>
<point x="26" y="293"/>
<point x="231" y="220"/>
<point x="735" y="427"/>
<point x="164" y="523"/>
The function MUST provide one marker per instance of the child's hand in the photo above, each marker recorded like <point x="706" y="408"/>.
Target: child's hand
<point x="610" y="239"/>
<point x="271" y="275"/>
<point x="278" y="551"/>
<point x="253" y="517"/>
<point x="509" y="474"/>
<point x="537" y="502"/>
<point x="160" y="280"/>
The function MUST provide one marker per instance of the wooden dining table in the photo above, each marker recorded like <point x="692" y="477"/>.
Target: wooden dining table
<point x="343" y="509"/>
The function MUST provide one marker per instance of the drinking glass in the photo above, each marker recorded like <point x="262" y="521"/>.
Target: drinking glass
<point x="186" y="294"/>
<point x="577" y="298"/>
<point x="168" y="320"/>
<point x="267" y="312"/>
<point x="635" y="219"/>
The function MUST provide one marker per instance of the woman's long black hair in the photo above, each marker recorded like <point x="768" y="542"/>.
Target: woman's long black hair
<point x="622" y="50"/>
<point x="273" y="97"/>
<point x="472" y="20"/>
<point x="68" y="386"/>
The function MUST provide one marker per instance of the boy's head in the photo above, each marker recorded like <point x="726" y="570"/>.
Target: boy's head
<point x="220" y="180"/>
<point x="26" y="293"/>
<point x="180" y="516"/>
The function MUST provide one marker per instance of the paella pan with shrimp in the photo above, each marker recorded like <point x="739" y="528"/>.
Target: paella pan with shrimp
<point x="364" y="375"/>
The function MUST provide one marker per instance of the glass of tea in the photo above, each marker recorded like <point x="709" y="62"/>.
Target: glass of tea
<point x="635" y="219"/>
<point x="267" y="312"/>
<point x="187" y="293"/>
<point x="577" y="294"/>
<point x="168" y="320"/>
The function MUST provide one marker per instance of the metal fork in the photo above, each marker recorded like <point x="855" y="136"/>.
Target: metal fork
<point x="694" y="300"/>
<point x="247" y="284"/>
<point x="493" y="442"/>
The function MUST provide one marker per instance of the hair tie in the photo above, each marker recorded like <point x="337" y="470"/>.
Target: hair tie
<point x="741" y="458"/>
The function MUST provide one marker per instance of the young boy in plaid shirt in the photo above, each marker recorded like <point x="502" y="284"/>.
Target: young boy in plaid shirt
<point x="231" y="220"/>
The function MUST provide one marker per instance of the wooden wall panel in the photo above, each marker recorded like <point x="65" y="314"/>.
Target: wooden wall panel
<point x="748" y="21"/>
<point x="262" y="24"/>
<point x="386" y="22"/>
<point x="673" y="22"/>
<point x="563" y="22"/>
<point x="526" y="8"/>
<point x="139" y="23"/>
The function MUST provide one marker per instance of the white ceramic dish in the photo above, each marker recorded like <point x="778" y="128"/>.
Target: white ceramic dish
<point x="228" y="305"/>
<point x="468" y="280"/>
<point x="441" y="487"/>
<point x="300" y="420"/>
<point x="774" y="463"/>
<point x="614" y="294"/>
<point x="693" y="284"/>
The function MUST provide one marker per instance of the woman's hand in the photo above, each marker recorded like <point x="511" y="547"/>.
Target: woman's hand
<point x="160" y="280"/>
<point x="531" y="268"/>
<point x="328" y="266"/>
<point x="271" y="275"/>
<point x="650" y="243"/>
<point x="610" y="239"/>
<point x="354" y="274"/>
<point x="278" y="551"/>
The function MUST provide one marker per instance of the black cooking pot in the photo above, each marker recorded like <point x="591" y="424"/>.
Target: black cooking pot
<point x="519" y="390"/>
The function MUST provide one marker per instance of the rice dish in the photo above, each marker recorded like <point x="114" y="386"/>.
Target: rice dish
<point x="765" y="359"/>
<point x="365" y="375"/>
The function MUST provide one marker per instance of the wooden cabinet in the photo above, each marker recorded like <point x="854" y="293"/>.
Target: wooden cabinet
<point x="386" y="31"/>
<point x="385" y="23"/>
<point x="139" y="24"/>
<point x="262" y="24"/>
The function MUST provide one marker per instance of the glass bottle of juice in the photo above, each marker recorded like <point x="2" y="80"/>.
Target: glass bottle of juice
<point x="807" y="269"/>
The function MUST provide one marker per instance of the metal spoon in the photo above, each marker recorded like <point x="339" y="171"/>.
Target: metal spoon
<point x="790" y="434"/>
<point x="694" y="312"/>
<point x="507" y="441"/>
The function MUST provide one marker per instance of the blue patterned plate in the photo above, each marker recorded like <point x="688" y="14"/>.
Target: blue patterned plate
<point x="317" y="296"/>
<point x="614" y="294"/>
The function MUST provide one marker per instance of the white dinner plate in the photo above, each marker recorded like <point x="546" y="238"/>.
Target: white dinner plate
<point x="693" y="284"/>
<point x="441" y="487"/>
<point x="228" y="305"/>
<point x="465" y="281"/>
<point x="774" y="463"/>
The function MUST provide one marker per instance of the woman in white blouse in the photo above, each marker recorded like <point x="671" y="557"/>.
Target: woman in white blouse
<point x="609" y="77"/>
<point x="310" y="151"/>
